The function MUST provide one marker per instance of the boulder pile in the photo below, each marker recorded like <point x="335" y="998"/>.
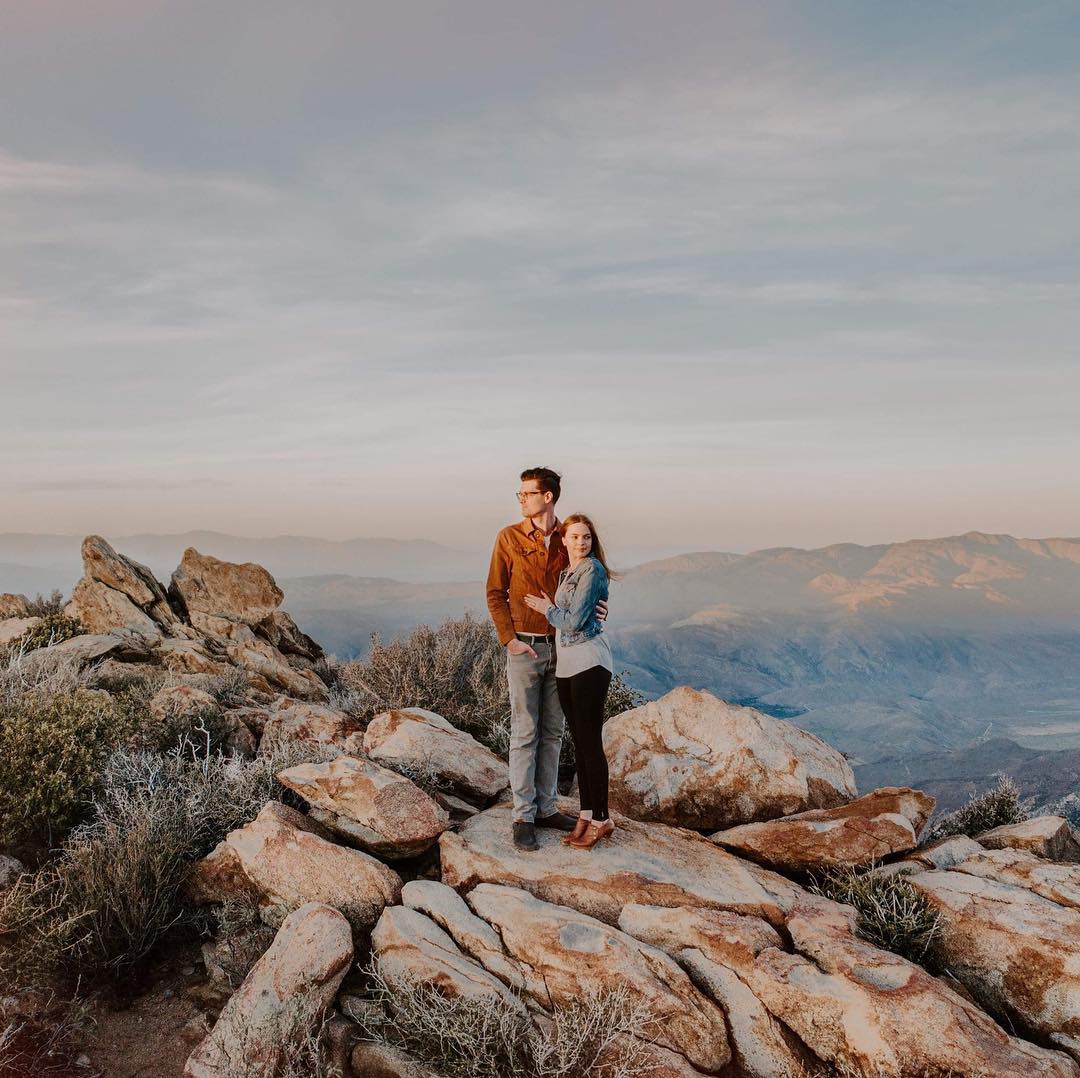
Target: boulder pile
<point x="699" y="911"/>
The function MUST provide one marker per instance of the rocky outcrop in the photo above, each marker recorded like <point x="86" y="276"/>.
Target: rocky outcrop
<point x="1046" y="836"/>
<point x="281" y="999"/>
<point x="280" y="862"/>
<point x="1017" y="952"/>
<point x="421" y="741"/>
<point x="832" y="998"/>
<point x="882" y="823"/>
<point x="377" y="809"/>
<point x="117" y="592"/>
<point x="645" y="863"/>
<point x="119" y="644"/>
<point x="181" y="700"/>
<point x="209" y="588"/>
<point x="413" y="950"/>
<point x="692" y="760"/>
<point x="568" y="956"/>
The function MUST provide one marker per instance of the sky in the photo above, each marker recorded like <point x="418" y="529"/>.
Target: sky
<point x="748" y="275"/>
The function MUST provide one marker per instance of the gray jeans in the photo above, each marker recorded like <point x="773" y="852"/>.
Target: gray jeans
<point x="536" y="732"/>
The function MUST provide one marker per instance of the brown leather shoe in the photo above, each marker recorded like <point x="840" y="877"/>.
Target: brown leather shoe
<point x="593" y="834"/>
<point x="580" y="828"/>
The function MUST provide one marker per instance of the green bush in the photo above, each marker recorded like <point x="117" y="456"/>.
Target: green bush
<point x="891" y="913"/>
<point x="52" y="750"/>
<point x="997" y="806"/>
<point x="54" y="628"/>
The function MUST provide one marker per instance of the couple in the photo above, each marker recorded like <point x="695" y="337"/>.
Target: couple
<point x="547" y="592"/>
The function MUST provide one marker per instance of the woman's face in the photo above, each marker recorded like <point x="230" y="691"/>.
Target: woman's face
<point x="578" y="540"/>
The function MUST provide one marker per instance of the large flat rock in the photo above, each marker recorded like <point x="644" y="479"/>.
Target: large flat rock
<point x="641" y="862"/>
<point x="571" y="956"/>
<point x="1046" y="836"/>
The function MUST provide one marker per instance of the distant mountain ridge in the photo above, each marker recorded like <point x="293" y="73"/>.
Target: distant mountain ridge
<point x="901" y="648"/>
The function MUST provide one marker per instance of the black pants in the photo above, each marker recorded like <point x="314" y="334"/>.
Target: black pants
<point x="582" y="697"/>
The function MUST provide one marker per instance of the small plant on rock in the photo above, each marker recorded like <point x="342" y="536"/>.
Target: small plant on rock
<point x="891" y="913"/>
<point x="999" y="805"/>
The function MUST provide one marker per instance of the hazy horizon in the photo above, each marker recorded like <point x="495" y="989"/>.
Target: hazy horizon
<point x="749" y="276"/>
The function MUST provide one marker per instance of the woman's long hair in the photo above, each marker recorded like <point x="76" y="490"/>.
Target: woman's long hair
<point x="597" y="550"/>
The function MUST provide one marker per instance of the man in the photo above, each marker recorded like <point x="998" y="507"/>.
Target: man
<point x="527" y="559"/>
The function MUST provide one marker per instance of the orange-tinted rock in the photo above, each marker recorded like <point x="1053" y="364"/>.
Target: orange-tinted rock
<point x="1055" y="881"/>
<point x="243" y="593"/>
<point x="420" y="740"/>
<point x="1046" y="836"/>
<point x="1015" y="951"/>
<point x="868" y="829"/>
<point x="692" y="760"/>
<point x="858" y="1009"/>
<point x="569" y="956"/>
<point x="282" y="998"/>
<point x="280" y="862"/>
<point x="295" y="720"/>
<point x="374" y="807"/>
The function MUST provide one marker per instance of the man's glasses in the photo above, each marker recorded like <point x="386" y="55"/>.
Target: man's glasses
<point x="525" y="495"/>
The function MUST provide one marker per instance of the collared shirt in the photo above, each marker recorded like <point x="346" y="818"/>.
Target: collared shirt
<point x="523" y="564"/>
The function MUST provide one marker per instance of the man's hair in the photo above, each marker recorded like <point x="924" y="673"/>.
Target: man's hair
<point x="549" y="481"/>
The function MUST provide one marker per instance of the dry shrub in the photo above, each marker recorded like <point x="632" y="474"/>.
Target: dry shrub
<point x="891" y="913"/>
<point x="598" y="1037"/>
<point x="240" y="940"/>
<point x="42" y="606"/>
<point x="50" y="674"/>
<point x="115" y="888"/>
<point x="457" y="670"/>
<point x="54" y="628"/>
<point x="999" y="805"/>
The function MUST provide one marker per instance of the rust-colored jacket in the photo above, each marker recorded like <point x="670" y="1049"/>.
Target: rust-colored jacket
<point x="521" y="565"/>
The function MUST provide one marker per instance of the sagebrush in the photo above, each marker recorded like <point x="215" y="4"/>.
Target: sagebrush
<point x="114" y="890"/>
<point x="999" y="805"/>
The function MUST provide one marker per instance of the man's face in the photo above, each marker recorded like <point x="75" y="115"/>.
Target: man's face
<point x="531" y="498"/>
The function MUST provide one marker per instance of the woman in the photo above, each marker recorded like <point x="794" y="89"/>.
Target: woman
<point x="583" y="670"/>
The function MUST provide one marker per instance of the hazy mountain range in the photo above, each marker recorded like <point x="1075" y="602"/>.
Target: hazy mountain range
<point x="911" y="647"/>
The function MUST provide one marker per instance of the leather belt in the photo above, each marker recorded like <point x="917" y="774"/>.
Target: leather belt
<point x="531" y="638"/>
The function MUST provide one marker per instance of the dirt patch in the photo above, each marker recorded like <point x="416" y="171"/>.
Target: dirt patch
<point x="152" y="1034"/>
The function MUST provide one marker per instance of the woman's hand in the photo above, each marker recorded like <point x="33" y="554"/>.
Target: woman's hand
<point x="539" y="603"/>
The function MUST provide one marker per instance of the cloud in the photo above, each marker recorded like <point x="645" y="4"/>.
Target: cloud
<point x="659" y="259"/>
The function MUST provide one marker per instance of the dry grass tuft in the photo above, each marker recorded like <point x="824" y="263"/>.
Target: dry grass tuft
<point x="891" y="913"/>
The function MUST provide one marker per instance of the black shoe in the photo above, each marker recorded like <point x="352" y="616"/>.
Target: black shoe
<point x="525" y="836"/>
<point x="559" y="820"/>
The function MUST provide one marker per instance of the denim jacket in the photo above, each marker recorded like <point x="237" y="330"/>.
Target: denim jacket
<point x="574" y="609"/>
